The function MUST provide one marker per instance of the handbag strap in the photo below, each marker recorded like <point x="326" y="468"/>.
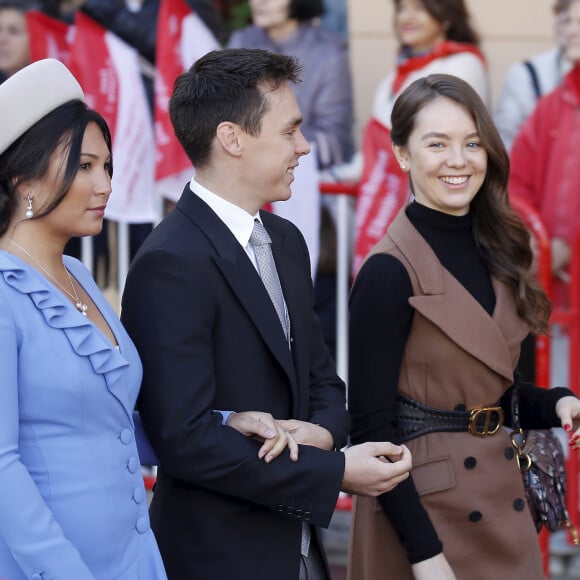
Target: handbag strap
<point x="517" y="435"/>
<point x="515" y="408"/>
<point x="534" y="78"/>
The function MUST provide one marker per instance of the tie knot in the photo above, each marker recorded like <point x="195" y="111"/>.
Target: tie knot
<point x="260" y="236"/>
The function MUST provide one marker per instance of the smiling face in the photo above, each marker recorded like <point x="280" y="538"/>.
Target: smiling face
<point x="416" y="28"/>
<point x="444" y="156"/>
<point x="81" y="211"/>
<point x="14" y="50"/>
<point x="269" y="158"/>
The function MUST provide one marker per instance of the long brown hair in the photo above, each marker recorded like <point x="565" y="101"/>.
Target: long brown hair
<point x="454" y="15"/>
<point x="500" y="234"/>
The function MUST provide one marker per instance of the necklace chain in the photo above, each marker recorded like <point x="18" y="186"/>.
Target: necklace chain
<point x="80" y="306"/>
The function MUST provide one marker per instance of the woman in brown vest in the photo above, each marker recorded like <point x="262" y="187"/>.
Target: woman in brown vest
<point x="438" y="312"/>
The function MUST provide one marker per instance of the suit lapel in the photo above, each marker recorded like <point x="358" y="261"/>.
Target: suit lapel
<point x="242" y="278"/>
<point x="444" y="301"/>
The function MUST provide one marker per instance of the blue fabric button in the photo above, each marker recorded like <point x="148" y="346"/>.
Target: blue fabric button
<point x="138" y="495"/>
<point x="126" y="436"/>
<point x="142" y="525"/>
<point x="133" y="464"/>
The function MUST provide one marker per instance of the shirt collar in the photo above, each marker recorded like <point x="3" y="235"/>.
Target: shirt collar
<point x="237" y="220"/>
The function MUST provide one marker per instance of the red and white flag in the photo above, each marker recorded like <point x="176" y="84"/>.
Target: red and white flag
<point x="49" y="38"/>
<point x="108" y="70"/>
<point x="383" y="190"/>
<point x="182" y="38"/>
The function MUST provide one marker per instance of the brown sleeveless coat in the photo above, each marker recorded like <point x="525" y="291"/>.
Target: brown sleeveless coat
<point x="471" y="486"/>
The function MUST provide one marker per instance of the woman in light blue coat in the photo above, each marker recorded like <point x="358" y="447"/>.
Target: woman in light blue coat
<point x="72" y="500"/>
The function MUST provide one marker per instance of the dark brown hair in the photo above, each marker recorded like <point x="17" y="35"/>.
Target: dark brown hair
<point x="500" y="234"/>
<point x="225" y="85"/>
<point x="454" y="15"/>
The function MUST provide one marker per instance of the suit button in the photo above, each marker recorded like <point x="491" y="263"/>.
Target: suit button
<point x="519" y="504"/>
<point x="138" y="495"/>
<point x="126" y="436"/>
<point x="142" y="525"/>
<point x="133" y="464"/>
<point x="470" y="462"/>
<point x="475" y="516"/>
<point x="307" y="516"/>
<point x="509" y="453"/>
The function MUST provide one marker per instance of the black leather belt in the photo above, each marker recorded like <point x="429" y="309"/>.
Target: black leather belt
<point x="415" y="419"/>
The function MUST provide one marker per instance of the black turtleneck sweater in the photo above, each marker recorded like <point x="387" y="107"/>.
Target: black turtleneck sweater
<point x="380" y="322"/>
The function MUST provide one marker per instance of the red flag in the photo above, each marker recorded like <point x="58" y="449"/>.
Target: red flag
<point x="182" y="38"/>
<point x="49" y="38"/>
<point x="383" y="190"/>
<point x="108" y="70"/>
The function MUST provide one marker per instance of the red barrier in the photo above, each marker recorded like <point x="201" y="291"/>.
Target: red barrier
<point x="536" y="226"/>
<point x="569" y="319"/>
<point x="338" y="188"/>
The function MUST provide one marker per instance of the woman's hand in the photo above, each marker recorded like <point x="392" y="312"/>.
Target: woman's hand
<point x="435" y="568"/>
<point x="263" y="427"/>
<point x="568" y="411"/>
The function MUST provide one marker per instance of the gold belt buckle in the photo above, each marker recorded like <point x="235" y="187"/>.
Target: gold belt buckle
<point x="488" y="413"/>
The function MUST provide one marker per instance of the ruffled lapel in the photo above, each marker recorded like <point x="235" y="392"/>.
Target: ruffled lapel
<point x="84" y="337"/>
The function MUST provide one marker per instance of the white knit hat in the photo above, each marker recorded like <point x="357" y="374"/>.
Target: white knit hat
<point x="30" y="94"/>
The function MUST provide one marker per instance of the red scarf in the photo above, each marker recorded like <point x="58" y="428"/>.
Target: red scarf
<point x="441" y="50"/>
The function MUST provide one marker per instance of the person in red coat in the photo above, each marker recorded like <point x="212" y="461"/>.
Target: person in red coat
<point x="544" y="160"/>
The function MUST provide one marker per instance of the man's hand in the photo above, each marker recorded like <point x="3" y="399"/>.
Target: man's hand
<point x="263" y="427"/>
<point x="306" y="433"/>
<point x="376" y="467"/>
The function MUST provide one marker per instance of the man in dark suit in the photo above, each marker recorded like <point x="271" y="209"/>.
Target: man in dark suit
<point x="211" y="338"/>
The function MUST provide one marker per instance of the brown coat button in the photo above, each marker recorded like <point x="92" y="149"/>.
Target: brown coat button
<point x="509" y="453"/>
<point x="475" y="516"/>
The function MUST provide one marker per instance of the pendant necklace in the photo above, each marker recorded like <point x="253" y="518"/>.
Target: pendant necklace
<point x="80" y="306"/>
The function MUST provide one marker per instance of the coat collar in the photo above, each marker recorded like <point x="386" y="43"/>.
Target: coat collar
<point x="444" y="301"/>
<point x="243" y="279"/>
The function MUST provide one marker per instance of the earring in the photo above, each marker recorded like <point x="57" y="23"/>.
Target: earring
<point x="29" y="213"/>
<point x="403" y="166"/>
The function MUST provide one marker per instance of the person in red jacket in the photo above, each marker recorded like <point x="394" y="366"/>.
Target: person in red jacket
<point x="544" y="159"/>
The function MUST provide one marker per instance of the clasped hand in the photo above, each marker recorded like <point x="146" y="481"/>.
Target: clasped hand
<point x="277" y="434"/>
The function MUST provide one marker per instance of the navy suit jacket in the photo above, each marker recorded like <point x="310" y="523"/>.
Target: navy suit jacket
<point x="209" y="338"/>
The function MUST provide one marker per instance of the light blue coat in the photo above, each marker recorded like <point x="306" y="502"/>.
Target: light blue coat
<point x="72" y="501"/>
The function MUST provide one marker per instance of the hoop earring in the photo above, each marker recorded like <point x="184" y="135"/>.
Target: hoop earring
<point x="29" y="213"/>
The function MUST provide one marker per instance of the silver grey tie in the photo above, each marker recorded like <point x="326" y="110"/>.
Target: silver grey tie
<point x="262" y="244"/>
